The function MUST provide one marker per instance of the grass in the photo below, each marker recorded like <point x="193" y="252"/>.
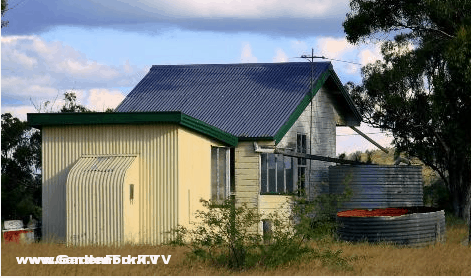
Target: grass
<point x="450" y="258"/>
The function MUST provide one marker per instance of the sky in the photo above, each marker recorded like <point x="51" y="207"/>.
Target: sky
<point x="101" y="49"/>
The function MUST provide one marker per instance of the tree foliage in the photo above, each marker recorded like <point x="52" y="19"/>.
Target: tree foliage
<point x="421" y="90"/>
<point x="4" y="9"/>
<point x="71" y="104"/>
<point x="21" y="163"/>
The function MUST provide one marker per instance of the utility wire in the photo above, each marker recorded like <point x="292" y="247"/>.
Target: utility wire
<point x="312" y="57"/>
<point x="354" y="134"/>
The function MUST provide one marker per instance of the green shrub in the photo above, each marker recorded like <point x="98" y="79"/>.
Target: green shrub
<point x="228" y="235"/>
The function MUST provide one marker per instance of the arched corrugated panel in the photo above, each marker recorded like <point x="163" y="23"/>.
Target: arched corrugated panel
<point x="94" y="199"/>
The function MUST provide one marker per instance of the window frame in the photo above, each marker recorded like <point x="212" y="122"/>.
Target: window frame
<point x="227" y="174"/>
<point x="301" y="147"/>
<point x="265" y="188"/>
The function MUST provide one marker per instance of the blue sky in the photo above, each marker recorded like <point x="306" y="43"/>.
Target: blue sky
<point x="100" y="49"/>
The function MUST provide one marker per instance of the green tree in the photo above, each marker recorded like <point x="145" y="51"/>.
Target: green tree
<point x="421" y="90"/>
<point x="4" y="9"/>
<point x="71" y="104"/>
<point x="21" y="164"/>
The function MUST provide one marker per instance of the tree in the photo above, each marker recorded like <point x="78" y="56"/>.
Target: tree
<point x="4" y="9"/>
<point x="21" y="164"/>
<point x="71" y="104"/>
<point x="421" y="90"/>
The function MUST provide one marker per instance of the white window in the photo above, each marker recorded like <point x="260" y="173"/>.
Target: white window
<point x="301" y="147"/>
<point x="276" y="174"/>
<point x="220" y="173"/>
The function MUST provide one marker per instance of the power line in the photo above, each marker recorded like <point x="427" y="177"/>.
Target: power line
<point x="312" y="57"/>
<point x="359" y="134"/>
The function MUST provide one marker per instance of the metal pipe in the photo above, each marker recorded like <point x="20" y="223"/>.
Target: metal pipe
<point x="369" y="139"/>
<point x="259" y="149"/>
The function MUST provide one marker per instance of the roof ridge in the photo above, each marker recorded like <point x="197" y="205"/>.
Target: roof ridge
<point x="239" y="65"/>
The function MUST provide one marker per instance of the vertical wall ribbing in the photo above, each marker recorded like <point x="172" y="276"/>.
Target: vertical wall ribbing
<point x="156" y="146"/>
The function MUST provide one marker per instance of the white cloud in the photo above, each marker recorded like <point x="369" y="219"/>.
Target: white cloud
<point x="247" y="56"/>
<point x="31" y="55"/>
<point x="37" y="71"/>
<point x="280" y="56"/>
<point x="22" y="59"/>
<point x="19" y="111"/>
<point x="352" y="68"/>
<point x="349" y="141"/>
<point x="333" y="48"/>
<point x="101" y="99"/>
<point x="370" y="55"/>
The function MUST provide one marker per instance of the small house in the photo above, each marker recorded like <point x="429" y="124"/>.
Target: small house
<point x="187" y="132"/>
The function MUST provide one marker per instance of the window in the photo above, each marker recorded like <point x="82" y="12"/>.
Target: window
<point x="301" y="147"/>
<point x="276" y="173"/>
<point x="220" y="176"/>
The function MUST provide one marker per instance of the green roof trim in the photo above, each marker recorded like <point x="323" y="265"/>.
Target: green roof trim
<point x="300" y="108"/>
<point x="268" y="138"/>
<point x="345" y="94"/>
<point x="38" y="120"/>
<point x="307" y="99"/>
<point x="207" y="129"/>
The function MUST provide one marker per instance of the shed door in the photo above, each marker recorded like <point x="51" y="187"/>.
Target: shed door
<point x="94" y="199"/>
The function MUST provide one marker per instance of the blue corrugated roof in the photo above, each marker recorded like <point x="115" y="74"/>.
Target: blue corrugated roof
<point x="246" y="100"/>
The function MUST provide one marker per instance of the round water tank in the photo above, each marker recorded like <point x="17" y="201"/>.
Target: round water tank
<point x="377" y="186"/>
<point x="414" y="227"/>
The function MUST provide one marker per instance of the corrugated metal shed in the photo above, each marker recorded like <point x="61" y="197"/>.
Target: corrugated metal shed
<point x="246" y="100"/>
<point x="98" y="209"/>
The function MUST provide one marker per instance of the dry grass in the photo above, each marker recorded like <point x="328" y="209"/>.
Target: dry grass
<point x="451" y="258"/>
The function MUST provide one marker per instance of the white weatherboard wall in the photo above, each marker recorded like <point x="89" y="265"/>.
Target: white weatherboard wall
<point x="322" y="140"/>
<point x="247" y="173"/>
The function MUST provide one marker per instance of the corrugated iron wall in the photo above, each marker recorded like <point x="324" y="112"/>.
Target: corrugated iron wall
<point x="157" y="148"/>
<point x="378" y="186"/>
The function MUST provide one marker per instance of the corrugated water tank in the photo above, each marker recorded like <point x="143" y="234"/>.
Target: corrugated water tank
<point x="377" y="186"/>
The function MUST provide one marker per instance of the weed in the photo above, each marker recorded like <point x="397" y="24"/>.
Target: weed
<point x="228" y="236"/>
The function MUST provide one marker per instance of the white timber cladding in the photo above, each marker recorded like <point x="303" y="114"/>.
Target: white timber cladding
<point x="278" y="206"/>
<point x="157" y="148"/>
<point x="318" y="123"/>
<point x="247" y="173"/>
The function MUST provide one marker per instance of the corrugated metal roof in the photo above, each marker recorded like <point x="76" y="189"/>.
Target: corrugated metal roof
<point x="246" y="100"/>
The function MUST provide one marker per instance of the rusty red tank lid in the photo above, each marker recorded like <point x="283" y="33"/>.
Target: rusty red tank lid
<point x="373" y="212"/>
